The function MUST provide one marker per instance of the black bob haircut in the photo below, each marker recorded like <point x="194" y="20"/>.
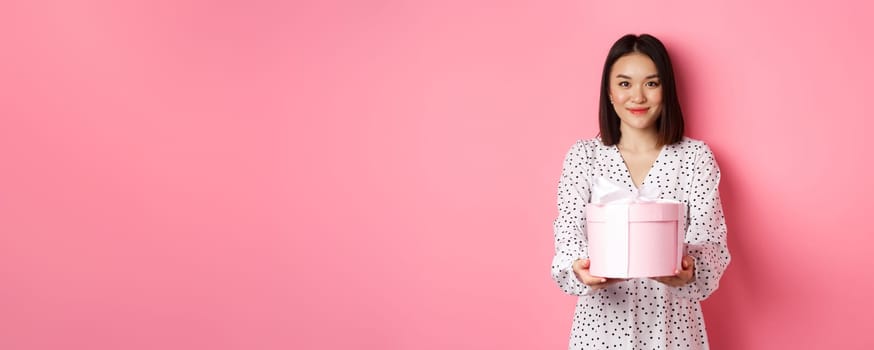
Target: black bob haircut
<point x="670" y="124"/>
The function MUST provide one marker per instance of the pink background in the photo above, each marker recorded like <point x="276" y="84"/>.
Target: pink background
<point x="326" y="175"/>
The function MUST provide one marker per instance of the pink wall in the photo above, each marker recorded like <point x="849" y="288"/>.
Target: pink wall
<point x="266" y="175"/>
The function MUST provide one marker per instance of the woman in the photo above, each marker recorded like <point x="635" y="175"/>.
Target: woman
<point x="641" y="142"/>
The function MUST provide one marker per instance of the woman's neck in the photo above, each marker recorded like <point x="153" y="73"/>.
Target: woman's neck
<point x="638" y="140"/>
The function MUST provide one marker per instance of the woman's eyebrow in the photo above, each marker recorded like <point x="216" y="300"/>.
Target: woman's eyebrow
<point x="623" y="76"/>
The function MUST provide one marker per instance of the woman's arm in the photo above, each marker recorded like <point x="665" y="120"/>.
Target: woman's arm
<point x="569" y="227"/>
<point x="706" y="230"/>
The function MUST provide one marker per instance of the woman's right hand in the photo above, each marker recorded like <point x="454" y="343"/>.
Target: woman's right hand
<point x="581" y="270"/>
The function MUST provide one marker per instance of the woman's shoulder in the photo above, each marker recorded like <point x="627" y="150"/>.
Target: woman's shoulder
<point x="689" y="144"/>
<point x="586" y="148"/>
<point x="693" y="151"/>
<point x="590" y="145"/>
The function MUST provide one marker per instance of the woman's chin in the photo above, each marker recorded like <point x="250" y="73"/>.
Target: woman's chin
<point x="641" y="124"/>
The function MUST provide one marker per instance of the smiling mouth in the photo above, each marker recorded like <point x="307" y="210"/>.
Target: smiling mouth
<point x="638" y="111"/>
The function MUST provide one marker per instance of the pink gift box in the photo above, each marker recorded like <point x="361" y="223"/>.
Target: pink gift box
<point x="635" y="240"/>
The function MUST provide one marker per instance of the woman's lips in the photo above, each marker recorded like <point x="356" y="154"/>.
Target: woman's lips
<point x="638" y="111"/>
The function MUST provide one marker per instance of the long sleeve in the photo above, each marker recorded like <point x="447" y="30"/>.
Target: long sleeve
<point x="705" y="230"/>
<point x="569" y="227"/>
<point x="641" y="312"/>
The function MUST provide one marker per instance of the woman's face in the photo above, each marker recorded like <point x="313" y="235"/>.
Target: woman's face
<point x="636" y="91"/>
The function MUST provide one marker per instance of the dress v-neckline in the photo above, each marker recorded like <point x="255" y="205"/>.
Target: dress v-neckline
<point x="628" y="171"/>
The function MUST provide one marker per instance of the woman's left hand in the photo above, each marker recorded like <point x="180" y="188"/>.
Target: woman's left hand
<point x="681" y="277"/>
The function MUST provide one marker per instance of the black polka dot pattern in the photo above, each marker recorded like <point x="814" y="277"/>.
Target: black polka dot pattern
<point x="642" y="313"/>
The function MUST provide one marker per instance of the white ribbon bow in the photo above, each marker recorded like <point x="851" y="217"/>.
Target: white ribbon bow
<point x="605" y="191"/>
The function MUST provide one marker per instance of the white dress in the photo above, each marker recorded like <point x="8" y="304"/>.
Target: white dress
<point x="642" y="313"/>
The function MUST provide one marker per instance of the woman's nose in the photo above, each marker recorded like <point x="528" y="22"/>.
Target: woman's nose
<point x="637" y="96"/>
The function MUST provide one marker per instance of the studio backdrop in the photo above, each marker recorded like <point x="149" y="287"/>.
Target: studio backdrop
<point x="383" y="175"/>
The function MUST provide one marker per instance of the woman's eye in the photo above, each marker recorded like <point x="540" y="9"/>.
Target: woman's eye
<point x="652" y="83"/>
<point x="624" y="84"/>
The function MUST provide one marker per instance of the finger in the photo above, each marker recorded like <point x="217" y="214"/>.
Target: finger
<point x="679" y="276"/>
<point x="580" y="271"/>
<point x="608" y="282"/>
<point x="688" y="261"/>
<point x="662" y="279"/>
<point x="584" y="275"/>
<point x="685" y="275"/>
<point x="672" y="281"/>
<point x="592" y="280"/>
